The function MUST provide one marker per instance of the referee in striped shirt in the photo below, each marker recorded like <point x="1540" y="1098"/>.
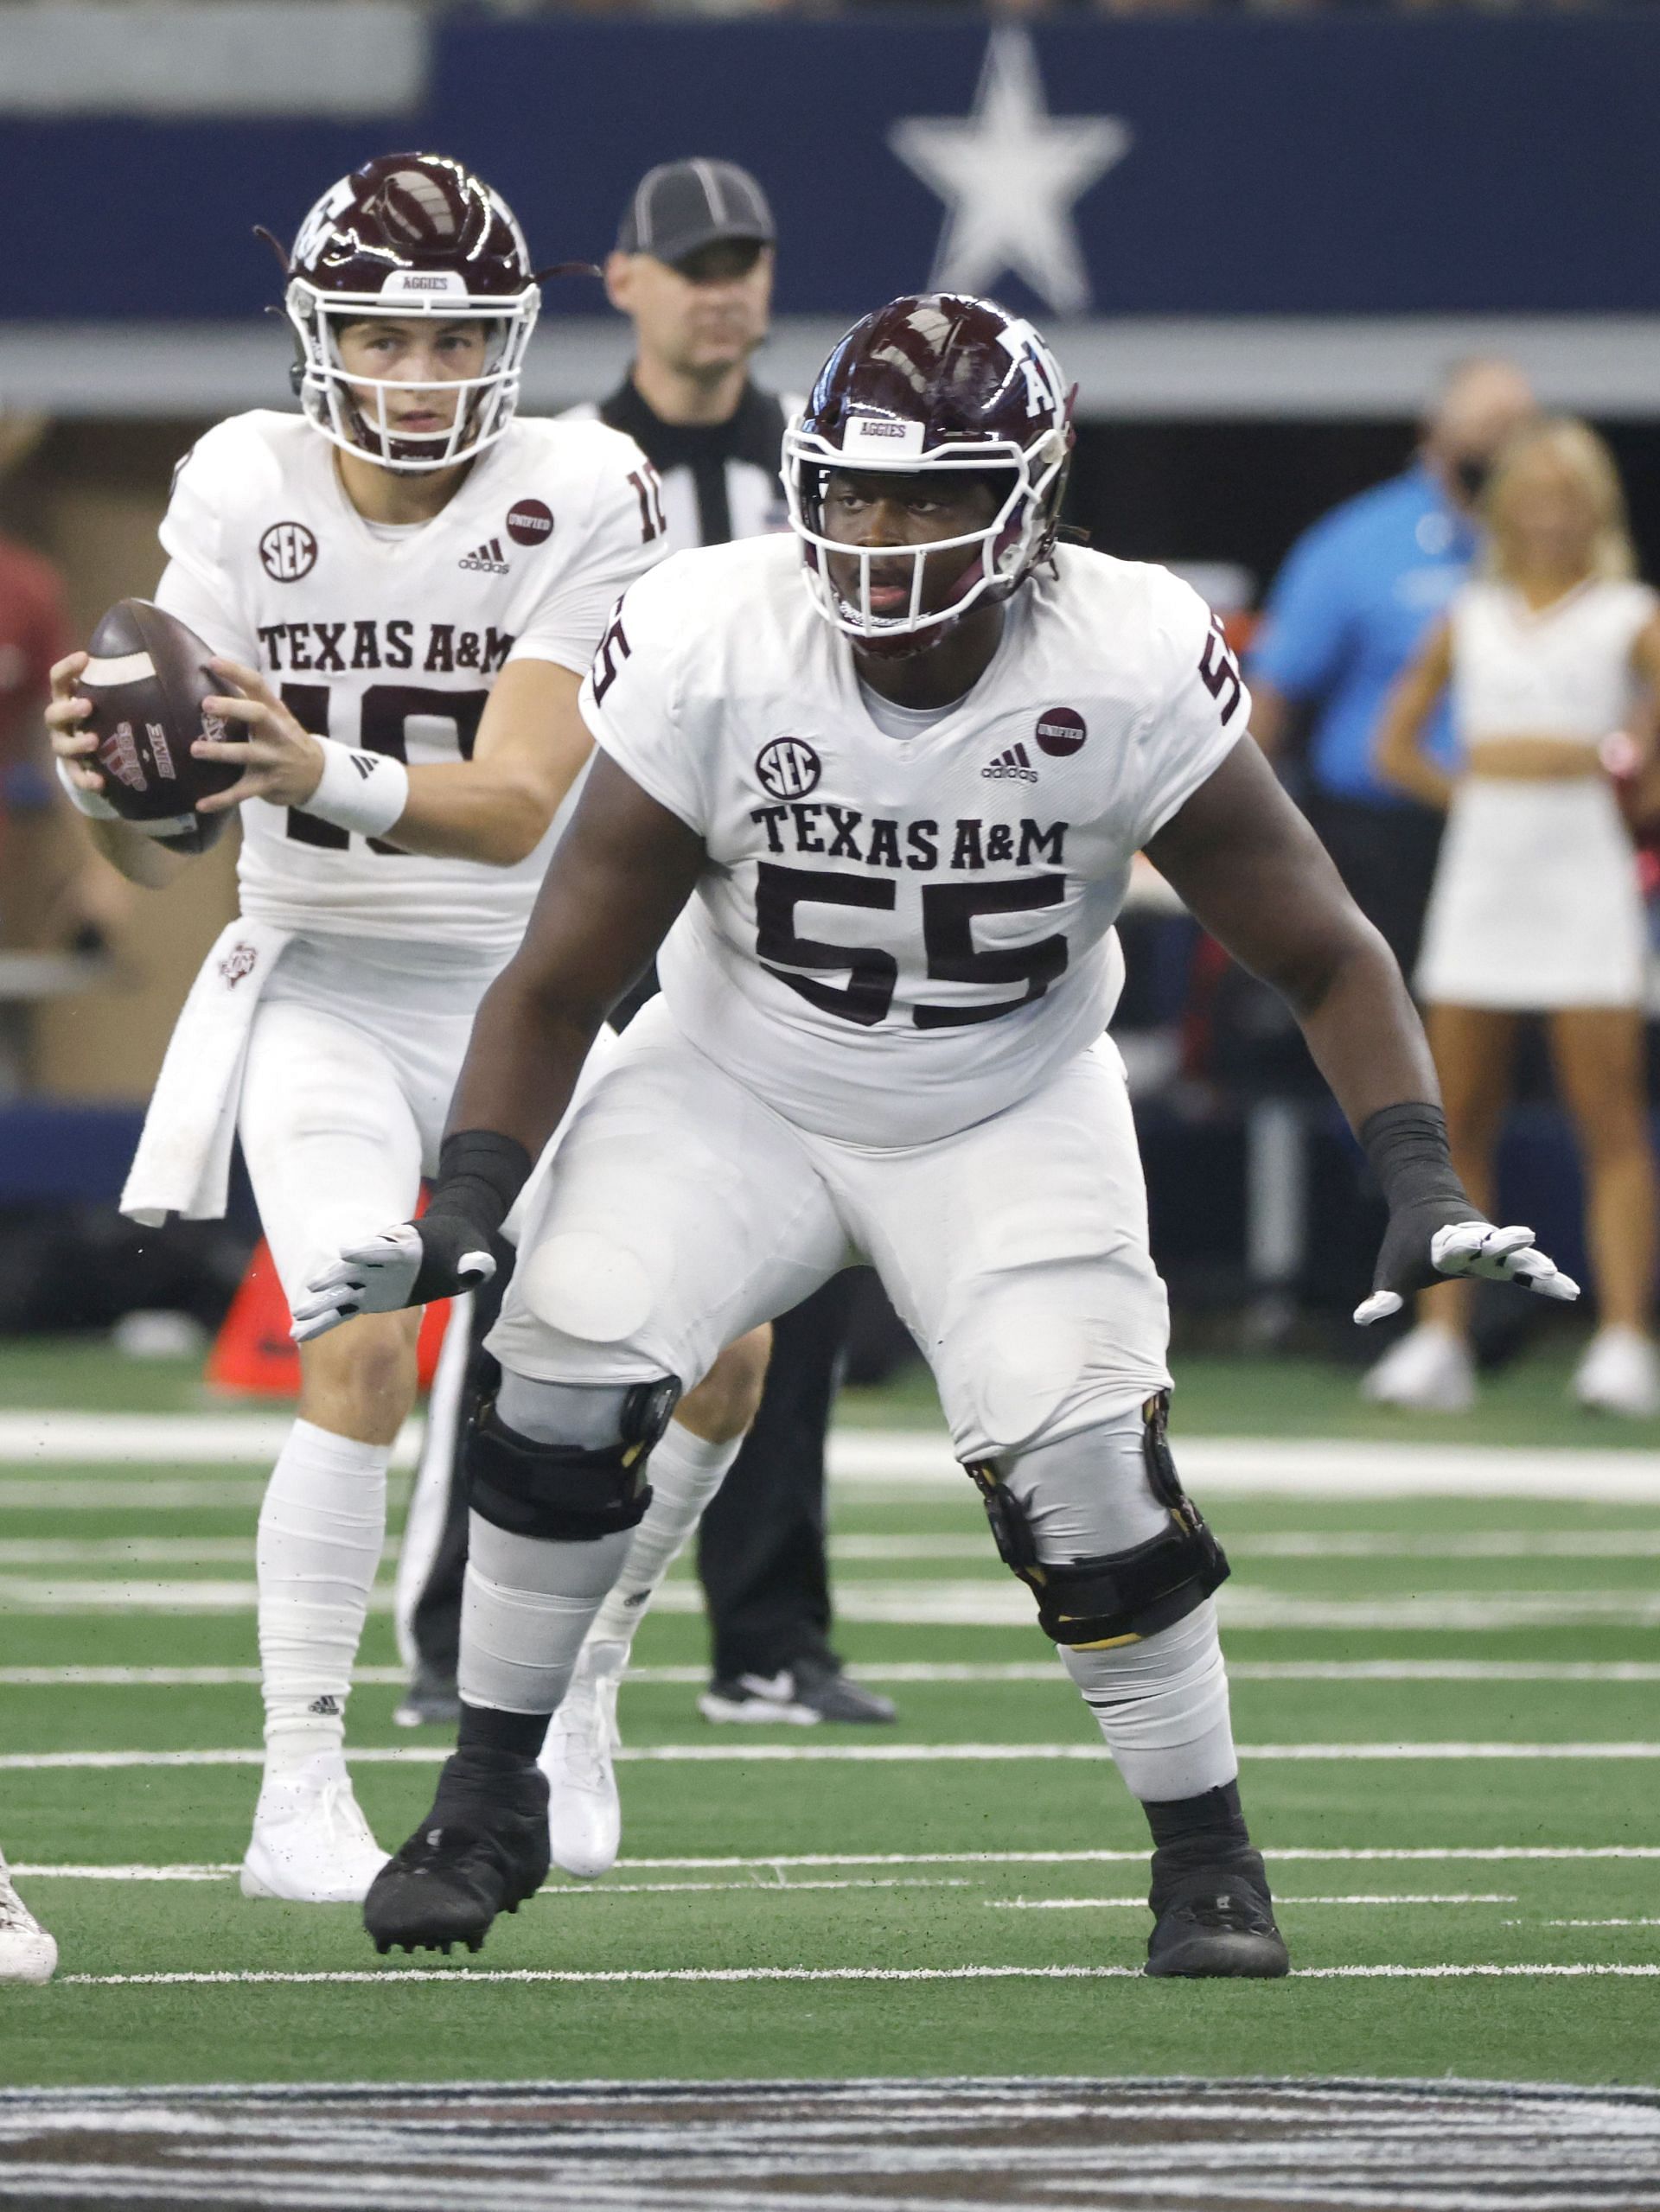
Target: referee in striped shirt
<point x="693" y="271"/>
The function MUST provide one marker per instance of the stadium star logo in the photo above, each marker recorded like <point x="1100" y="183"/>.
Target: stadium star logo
<point x="1011" y="174"/>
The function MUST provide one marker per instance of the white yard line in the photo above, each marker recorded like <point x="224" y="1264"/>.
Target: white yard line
<point x="1450" y="1898"/>
<point x="922" y="1458"/>
<point x="1649" y="1921"/>
<point x="1047" y="1672"/>
<point x="131" y="1493"/>
<point x="855" y="1754"/>
<point x="123" y="1551"/>
<point x="1336" y="1854"/>
<point x="480" y="1976"/>
<point x="1310" y="1544"/>
<point x="995" y="1601"/>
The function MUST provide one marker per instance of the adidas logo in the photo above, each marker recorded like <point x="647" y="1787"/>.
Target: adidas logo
<point x="486" y="559"/>
<point x="328" y="1705"/>
<point x="365" y="764"/>
<point x="1012" y="766"/>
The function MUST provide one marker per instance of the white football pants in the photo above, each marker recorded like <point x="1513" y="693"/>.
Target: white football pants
<point x="351" y="1064"/>
<point x="680" y="1211"/>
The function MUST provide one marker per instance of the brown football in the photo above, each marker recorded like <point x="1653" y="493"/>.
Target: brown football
<point x="147" y="677"/>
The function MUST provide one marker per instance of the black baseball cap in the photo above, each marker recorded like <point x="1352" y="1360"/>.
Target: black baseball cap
<point x="680" y="206"/>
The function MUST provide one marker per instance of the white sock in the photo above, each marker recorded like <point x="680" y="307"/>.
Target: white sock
<point x="686" y="1472"/>
<point x="525" y="1609"/>
<point x="322" y="1528"/>
<point x="1163" y="1707"/>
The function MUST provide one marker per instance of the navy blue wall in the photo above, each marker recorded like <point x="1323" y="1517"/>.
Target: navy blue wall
<point x="1342" y="166"/>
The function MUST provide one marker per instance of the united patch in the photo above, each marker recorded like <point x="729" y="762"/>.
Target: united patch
<point x="1060" y="732"/>
<point x="530" y="523"/>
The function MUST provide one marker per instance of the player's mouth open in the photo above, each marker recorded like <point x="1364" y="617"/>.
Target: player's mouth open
<point x="889" y="598"/>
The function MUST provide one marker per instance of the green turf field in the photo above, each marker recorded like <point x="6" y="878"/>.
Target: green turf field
<point x="1446" y="1707"/>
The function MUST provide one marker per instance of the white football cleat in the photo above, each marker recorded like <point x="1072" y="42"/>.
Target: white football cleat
<point x="1619" y="1374"/>
<point x="27" y="1952"/>
<point x="311" y="1844"/>
<point x="584" y="1821"/>
<point x="1430" y="1371"/>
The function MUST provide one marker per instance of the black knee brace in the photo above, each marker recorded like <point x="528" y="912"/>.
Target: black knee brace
<point x="567" y="1491"/>
<point x="1124" y="1596"/>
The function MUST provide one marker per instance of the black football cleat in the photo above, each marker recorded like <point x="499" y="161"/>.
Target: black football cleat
<point x="1216" y="1921"/>
<point x="480" y="1850"/>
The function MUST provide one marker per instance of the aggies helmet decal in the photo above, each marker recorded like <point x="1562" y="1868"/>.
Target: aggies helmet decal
<point x="409" y="235"/>
<point x="934" y="380"/>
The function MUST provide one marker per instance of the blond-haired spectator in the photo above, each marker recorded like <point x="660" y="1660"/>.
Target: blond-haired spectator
<point x="1535" y="906"/>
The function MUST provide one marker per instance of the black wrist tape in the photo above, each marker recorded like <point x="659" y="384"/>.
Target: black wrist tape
<point x="1407" y="1149"/>
<point x="480" y="1175"/>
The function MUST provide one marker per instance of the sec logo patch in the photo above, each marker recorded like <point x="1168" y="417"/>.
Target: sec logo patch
<point x="289" y="552"/>
<point x="788" y="767"/>
<point x="1060" y="731"/>
<point x="530" y="523"/>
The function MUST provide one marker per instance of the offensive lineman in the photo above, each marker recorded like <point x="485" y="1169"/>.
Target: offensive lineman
<point x="895" y="816"/>
<point x="407" y="583"/>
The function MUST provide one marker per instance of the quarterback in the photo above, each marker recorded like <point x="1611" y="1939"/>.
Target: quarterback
<point x="406" y="583"/>
<point x="876" y="790"/>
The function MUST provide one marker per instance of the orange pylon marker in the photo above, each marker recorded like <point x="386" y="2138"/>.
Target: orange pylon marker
<point x="254" y="1356"/>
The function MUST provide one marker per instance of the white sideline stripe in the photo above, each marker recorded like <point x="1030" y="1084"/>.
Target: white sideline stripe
<point x="1311" y="1544"/>
<point x="1418" y="1855"/>
<point x="568" y="1976"/>
<point x="1450" y="1897"/>
<point x="998" y="1601"/>
<point x="995" y="1602"/>
<point x="137" y="1551"/>
<point x="57" y="1437"/>
<point x="137" y="1494"/>
<point x="195" y="1594"/>
<point x="1046" y="1671"/>
<point x="1648" y="1921"/>
<point x="846" y="1753"/>
<point x="1339" y="1468"/>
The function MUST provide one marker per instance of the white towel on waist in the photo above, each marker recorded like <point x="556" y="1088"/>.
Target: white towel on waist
<point x="184" y="1162"/>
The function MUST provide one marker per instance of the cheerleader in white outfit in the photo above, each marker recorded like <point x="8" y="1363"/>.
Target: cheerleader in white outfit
<point x="1536" y="908"/>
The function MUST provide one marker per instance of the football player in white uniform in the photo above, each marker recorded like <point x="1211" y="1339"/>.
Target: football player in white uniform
<point x="883" y="826"/>
<point x="406" y="583"/>
<point x="27" y="1952"/>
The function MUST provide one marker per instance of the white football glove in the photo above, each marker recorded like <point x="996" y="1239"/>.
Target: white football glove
<point x="409" y="1264"/>
<point x="1477" y="1248"/>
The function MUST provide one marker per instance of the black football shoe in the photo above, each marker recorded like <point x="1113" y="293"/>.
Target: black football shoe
<point x="481" y="1850"/>
<point x="1215" y="1921"/>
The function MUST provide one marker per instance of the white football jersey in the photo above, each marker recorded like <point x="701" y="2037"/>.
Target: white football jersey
<point x="392" y="640"/>
<point x="896" y="937"/>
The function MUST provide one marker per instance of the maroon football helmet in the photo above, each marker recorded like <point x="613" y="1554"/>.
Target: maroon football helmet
<point x="410" y="235"/>
<point x="942" y="381"/>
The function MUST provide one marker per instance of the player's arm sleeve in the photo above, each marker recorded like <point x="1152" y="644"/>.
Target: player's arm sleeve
<point x="1201" y="709"/>
<point x="196" y="586"/>
<point x="1307" y="621"/>
<point x="631" y="702"/>
<point x="619" y="542"/>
